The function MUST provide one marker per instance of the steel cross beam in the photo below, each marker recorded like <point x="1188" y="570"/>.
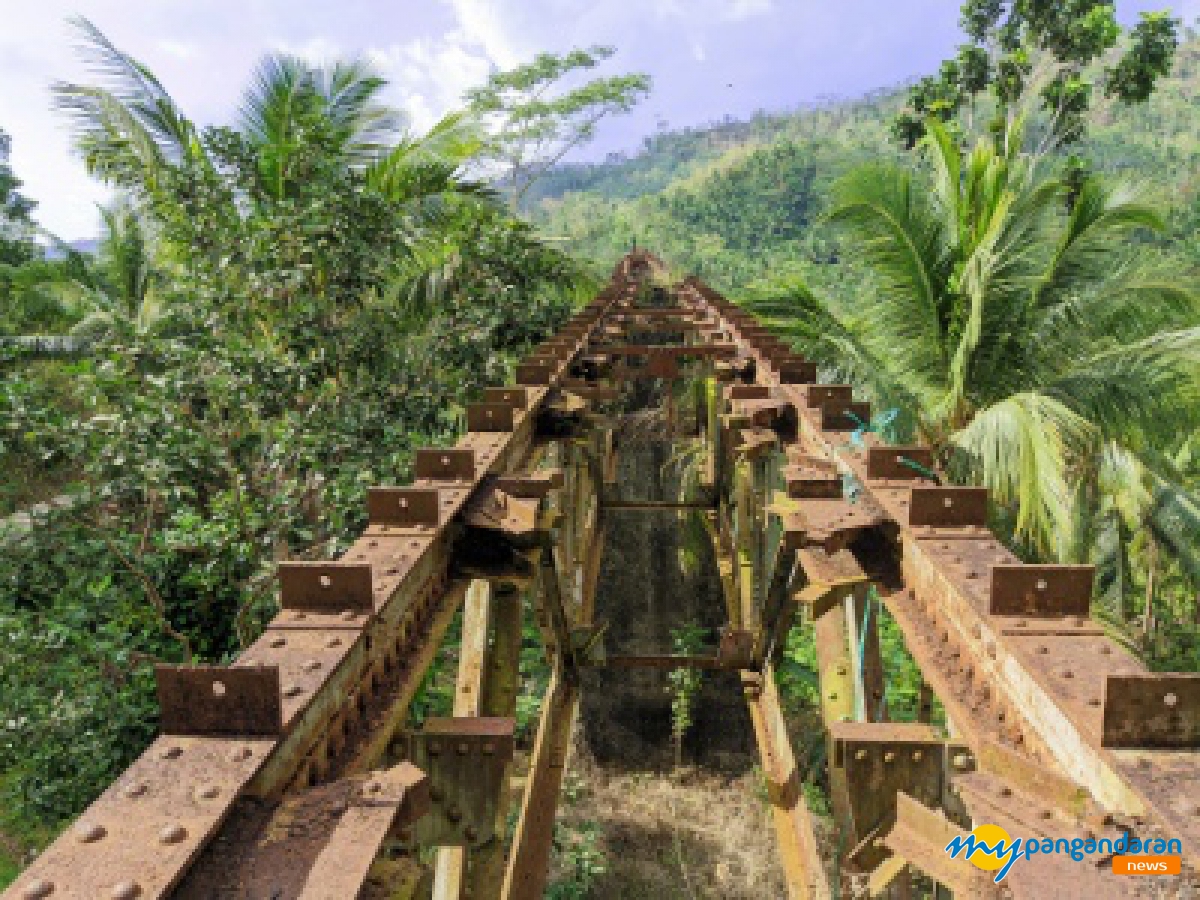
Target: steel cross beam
<point x="1012" y="641"/>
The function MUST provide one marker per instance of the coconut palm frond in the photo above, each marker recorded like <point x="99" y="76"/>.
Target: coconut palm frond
<point x="1025" y="450"/>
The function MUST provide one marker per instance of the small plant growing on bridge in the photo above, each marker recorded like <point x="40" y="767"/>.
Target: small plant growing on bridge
<point x="684" y="684"/>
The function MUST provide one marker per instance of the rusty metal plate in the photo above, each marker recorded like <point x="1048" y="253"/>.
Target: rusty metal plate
<point x="947" y="507"/>
<point x="792" y="371"/>
<point x="806" y="482"/>
<point x="889" y="461"/>
<point x="661" y="365"/>
<point x="489" y="417"/>
<point x="844" y="415"/>
<point x="404" y="507"/>
<point x="535" y="374"/>
<point x="736" y="650"/>
<point x="817" y="395"/>
<point x="513" y="396"/>
<point x="466" y="759"/>
<point x="442" y="464"/>
<point x="326" y="587"/>
<point x="1041" y="591"/>
<point x="143" y="833"/>
<point x="1152" y="710"/>
<point x="748" y="392"/>
<point x="531" y="485"/>
<point x="216" y="700"/>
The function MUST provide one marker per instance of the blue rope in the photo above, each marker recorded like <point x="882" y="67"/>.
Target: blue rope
<point x="877" y="424"/>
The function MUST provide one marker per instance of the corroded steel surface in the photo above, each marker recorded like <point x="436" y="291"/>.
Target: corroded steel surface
<point x="1046" y="707"/>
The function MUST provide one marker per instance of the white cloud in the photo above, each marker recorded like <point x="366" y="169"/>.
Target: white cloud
<point x="179" y="49"/>
<point x="747" y="9"/>
<point x="699" y="54"/>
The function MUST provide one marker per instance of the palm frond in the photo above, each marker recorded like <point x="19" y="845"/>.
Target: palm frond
<point x="1025" y="450"/>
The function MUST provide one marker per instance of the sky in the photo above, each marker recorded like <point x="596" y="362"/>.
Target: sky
<point x="707" y="58"/>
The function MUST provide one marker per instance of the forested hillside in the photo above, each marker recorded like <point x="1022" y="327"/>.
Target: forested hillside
<point x="735" y="201"/>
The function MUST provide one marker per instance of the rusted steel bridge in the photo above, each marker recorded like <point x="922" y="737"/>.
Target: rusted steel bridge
<point x="291" y="774"/>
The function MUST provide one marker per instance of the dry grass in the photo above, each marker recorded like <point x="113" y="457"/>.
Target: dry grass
<point x="695" y="834"/>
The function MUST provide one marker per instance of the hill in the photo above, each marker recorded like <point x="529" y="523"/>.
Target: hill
<point x="743" y="199"/>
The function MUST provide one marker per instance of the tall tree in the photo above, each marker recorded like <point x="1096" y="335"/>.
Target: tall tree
<point x="1051" y="50"/>
<point x="536" y="121"/>
<point x="16" y="223"/>
<point x="1017" y="339"/>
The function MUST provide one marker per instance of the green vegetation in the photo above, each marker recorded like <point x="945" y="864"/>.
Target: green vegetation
<point x="279" y="311"/>
<point x="1060" y="319"/>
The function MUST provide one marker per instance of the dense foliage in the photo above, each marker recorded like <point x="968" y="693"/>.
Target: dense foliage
<point x="280" y="310"/>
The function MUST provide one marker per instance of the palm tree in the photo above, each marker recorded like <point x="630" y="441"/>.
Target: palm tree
<point x="1022" y="341"/>
<point x="124" y="290"/>
<point x="133" y="134"/>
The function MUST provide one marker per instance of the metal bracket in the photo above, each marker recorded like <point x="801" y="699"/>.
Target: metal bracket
<point x="1041" y="591"/>
<point x="326" y="587"/>
<point x="490" y="417"/>
<point x="796" y="371"/>
<point x="947" y="507"/>
<point x="444" y="463"/>
<point x="517" y="397"/>
<point x="844" y="415"/>
<point x="1161" y="710"/>
<point x="886" y="461"/>
<point x="208" y="700"/>
<point x="404" y="507"/>
<point x="466" y="760"/>
<point x="534" y="374"/>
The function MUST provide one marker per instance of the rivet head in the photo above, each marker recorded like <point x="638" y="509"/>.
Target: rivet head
<point x="278" y="642"/>
<point x="171" y="753"/>
<point x="172" y="834"/>
<point x="349" y="615"/>
<point x="889" y="757"/>
<point x="464" y="748"/>
<point x="133" y="791"/>
<point x="36" y="890"/>
<point x="333" y="642"/>
<point x="961" y="761"/>
<point x="89" y="832"/>
<point x="237" y="754"/>
<point x="311" y="665"/>
<point x="208" y="792"/>
<point x="860" y="755"/>
<point x="1067" y="673"/>
<point x="293" y="690"/>
<point x="126" y="890"/>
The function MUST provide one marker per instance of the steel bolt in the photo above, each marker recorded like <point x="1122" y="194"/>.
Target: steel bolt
<point x="1095" y="701"/>
<point x="464" y="748"/>
<point x="311" y="665"/>
<point x="172" y="834"/>
<point x="126" y="890"/>
<point x="333" y="642"/>
<point x="860" y="755"/>
<point x="171" y="753"/>
<point x="1043" y="649"/>
<point x="917" y="756"/>
<point x="1006" y="792"/>
<point x="889" y="756"/>
<point x="1067" y="673"/>
<point x="208" y="792"/>
<point x="349" y="615"/>
<point x="293" y="690"/>
<point x="133" y="791"/>
<point x="237" y="754"/>
<point x="489" y="748"/>
<point x="961" y="761"/>
<point x="36" y="890"/>
<point x="89" y="832"/>
<point x="278" y="642"/>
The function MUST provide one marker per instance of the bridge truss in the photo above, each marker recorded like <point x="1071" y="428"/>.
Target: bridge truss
<point x="291" y="772"/>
